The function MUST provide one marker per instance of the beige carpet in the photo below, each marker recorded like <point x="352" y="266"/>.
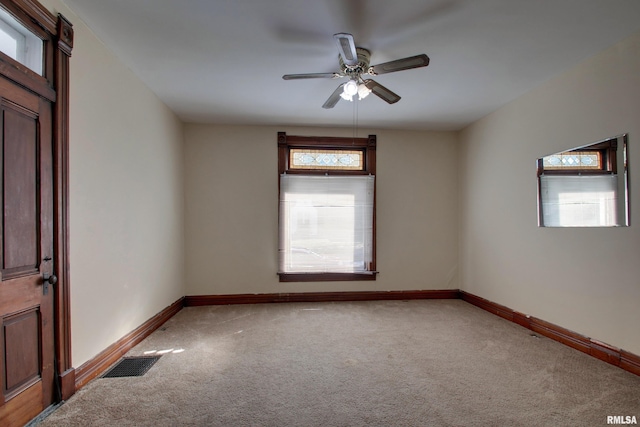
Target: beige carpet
<point x="387" y="363"/>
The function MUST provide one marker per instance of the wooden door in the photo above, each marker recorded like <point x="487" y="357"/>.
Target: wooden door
<point x="26" y="255"/>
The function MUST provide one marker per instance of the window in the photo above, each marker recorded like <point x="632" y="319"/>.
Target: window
<point x="19" y="43"/>
<point x="327" y="208"/>
<point x="574" y="160"/>
<point x="582" y="188"/>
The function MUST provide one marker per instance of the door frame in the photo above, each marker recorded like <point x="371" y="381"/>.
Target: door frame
<point x="57" y="35"/>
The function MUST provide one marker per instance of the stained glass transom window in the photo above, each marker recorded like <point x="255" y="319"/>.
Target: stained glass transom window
<point x="310" y="159"/>
<point x="573" y="160"/>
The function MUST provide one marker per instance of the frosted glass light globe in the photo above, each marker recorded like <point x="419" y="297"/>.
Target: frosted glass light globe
<point x="350" y="88"/>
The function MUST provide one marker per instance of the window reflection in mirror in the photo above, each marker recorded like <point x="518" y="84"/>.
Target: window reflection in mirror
<point x="585" y="186"/>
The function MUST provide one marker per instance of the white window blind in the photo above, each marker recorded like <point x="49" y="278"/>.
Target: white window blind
<point x="326" y="223"/>
<point x="578" y="200"/>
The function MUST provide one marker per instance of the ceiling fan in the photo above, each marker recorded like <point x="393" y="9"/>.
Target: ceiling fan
<point x="354" y="63"/>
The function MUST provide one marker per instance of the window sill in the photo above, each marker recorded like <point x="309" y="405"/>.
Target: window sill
<point x="327" y="277"/>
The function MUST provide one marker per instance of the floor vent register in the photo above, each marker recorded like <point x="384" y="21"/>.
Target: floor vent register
<point x="131" y="367"/>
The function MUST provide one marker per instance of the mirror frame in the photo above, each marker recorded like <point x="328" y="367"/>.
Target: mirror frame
<point x="613" y="152"/>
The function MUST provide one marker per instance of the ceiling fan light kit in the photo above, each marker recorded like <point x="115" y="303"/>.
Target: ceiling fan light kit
<point x="354" y="63"/>
<point x="350" y="88"/>
<point x="363" y="91"/>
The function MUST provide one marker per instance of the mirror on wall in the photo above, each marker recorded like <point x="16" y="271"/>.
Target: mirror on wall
<point x="585" y="186"/>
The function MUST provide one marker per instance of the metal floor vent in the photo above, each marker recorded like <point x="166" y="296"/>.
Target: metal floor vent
<point x="132" y="367"/>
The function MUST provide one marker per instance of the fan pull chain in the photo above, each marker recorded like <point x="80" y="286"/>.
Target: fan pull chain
<point x="355" y="119"/>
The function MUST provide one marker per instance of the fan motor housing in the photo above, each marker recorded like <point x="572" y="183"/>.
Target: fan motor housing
<point x="363" y="64"/>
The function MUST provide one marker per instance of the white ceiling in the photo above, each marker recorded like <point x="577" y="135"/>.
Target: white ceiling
<point x="222" y="61"/>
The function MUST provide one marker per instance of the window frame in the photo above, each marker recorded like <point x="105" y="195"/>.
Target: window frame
<point x="608" y="152"/>
<point x="30" y="47"/>
<point x="608" y="165"/>
<point x="368" y="147"/>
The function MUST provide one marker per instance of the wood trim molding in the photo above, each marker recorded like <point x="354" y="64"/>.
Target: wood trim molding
<point x="64" y="44"/>
<point x="326" y="277"/>
<point x="200" y="300"/>
<point x="64" y="35"/>
<point x="96" y="366"/>
<point x="33" y="9"/>
<point x="67" y="383"/>
<point x="25" y="77"/>
<point x="605" y="352"/>
<point x="630" y="362"/>
<point x="497" y="309"/>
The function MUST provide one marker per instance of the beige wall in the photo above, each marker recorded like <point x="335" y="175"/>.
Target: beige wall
<point x="586" y="280"/>
<point x="232" y="210"/>
<point x="132" y="245"/>
<point x="126" y="203"/>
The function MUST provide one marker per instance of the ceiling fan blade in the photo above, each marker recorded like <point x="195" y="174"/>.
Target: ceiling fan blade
<point x="381" y="91"/>
<point x="347" y="48"/>
<point x="400" y="64"/>
<point x="334" y="98"/>
<point x="311" y="76"/>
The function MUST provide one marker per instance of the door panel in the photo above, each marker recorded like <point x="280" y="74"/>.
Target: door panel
<point x="26" y="253"/>
<point x="22" y="358"/>
<point x="20" y="240"/>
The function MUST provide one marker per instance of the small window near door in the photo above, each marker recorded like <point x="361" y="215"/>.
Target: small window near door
<point x="19" y="43"/>
<point x="327" y="208"/>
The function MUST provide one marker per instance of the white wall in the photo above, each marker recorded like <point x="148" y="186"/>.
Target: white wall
<point x="232" y="210"/>
<point x="126" y="198"/>
<point x="586" y="280"/>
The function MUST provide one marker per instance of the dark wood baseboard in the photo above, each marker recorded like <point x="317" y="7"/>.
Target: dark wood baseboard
<point x="605" y="352"/>
<point x="200" y="300"/>
<point x="630" y="362"/>
<point x="111" y="354"/>
<point x="67" y="383"/>
<point x="96" y="366"/>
